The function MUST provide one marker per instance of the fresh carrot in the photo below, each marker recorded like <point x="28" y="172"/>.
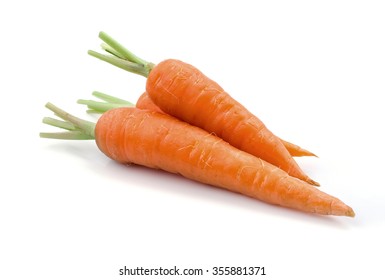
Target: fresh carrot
<point x="181" y="90"/>
<point x="145" y="102"/>
<point x="155" y="140"/>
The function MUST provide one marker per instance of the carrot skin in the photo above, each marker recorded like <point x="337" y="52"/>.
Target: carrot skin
<point x="181" y="90"/>
<point x="296" y="151"/>
<point x="155" y="140"/>
<point x="145" y="102"/>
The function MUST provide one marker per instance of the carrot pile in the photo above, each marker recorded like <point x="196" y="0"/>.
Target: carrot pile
<point x="186" y="123"/>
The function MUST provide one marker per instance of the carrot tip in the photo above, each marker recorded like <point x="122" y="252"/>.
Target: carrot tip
<point x="306" y="153"/>
<point x="312" y="182"/>
<point x="341" y="209"/>
<point x="350" y="213"/>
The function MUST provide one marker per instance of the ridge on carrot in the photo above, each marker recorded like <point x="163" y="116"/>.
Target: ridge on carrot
<point x="181" y="90"/>
<point x="155" y="140"/>
<point x="145" y="102"/>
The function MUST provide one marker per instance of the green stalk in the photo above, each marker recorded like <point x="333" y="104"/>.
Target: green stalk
<point x="112" y="51"/>
<point x="79" y="129"/>
<point x="66" y="135"/>
<point x="122" y="57"/>
<point x="111" y="102"/>
<point x="110" y="98"/>
<point x="101" y="107"/>
<point x="121" y="49"/>
<point x="59" y="123"/>
<point x="121" y="63"/>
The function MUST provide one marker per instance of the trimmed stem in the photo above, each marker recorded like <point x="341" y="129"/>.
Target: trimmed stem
<point x="110" y="98"/>
<point x="82" y="129"/>
<point x="121" y="63"/>
<point x="111" y="50"/>
<point x="111" y="102"/>
<point x="121" y="57"/>
<point x="121" y="49"/>
<point x="67" y="135"/>
<point x="101" y="107"/>
<point x="91" y="111"/>
<point x="59" y="123"/>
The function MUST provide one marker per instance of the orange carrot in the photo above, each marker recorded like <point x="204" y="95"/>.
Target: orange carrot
<point x="145" y="102"/>
<point x="155" y="140"/>
<point x="182" y="91"/>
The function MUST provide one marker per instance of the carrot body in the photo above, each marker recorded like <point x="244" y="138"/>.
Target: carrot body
<point x="145" y="102"/>
<point x="131" y="135"/>
<point x="181" y="90"/>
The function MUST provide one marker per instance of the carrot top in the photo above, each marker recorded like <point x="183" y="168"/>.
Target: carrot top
<point x="121" y="57"/>
<point x="76" y="128"/>
<point x="110" y="102"/>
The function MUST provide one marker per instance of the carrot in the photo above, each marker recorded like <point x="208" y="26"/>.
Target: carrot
<point x="160" y="141"/>
<point x="145" y="102"/>
<point x="182" y="91"/>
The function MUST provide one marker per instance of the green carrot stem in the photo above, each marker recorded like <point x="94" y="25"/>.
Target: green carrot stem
<point x="110" y="98"/>
<point x="59" y="123"/>
<point x="121" y="49"/>
<point x="121" y="63"/>
<point x="111" y="50"/>
<point x="101" y="107"/>
<point x="85" y="128"/>
<point x="121" y="57"/>
<point x="67" y="135"/>
<point x="91" y="111"/>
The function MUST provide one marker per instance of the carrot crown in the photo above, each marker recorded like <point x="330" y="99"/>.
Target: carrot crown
<point x="100" y="107"/>
<point x="76" y="128"/>
<point x="121" y="57"/>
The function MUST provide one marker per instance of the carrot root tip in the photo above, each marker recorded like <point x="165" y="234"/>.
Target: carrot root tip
<point x="312" y="182"/>
<point x="350" y="213"/>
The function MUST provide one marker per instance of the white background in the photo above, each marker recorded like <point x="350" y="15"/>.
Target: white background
<point x="313" y="71"/>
